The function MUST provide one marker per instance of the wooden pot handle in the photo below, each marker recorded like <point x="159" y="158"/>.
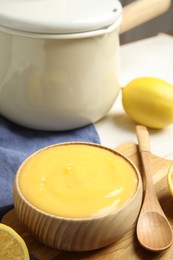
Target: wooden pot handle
<point x="141" y="11"/>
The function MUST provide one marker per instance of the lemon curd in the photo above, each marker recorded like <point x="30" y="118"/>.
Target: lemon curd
<point x="77" y="180"/>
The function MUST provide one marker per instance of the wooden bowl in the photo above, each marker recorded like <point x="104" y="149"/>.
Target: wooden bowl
<point x="77" y="234"/>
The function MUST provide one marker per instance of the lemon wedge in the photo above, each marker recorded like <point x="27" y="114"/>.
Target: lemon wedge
<point x="170" y="179"/>
<point x="12" y="246"/>
<point x="149" y="101"/>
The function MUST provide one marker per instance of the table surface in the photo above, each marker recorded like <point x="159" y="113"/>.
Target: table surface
<point x="149" y="57"/>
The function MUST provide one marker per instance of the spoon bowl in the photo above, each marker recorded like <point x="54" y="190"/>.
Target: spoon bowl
<point x="162" y="235"/>
<point x="153" y="229"/>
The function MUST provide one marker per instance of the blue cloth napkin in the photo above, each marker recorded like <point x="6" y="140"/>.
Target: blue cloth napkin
<point x="17" y="143"/>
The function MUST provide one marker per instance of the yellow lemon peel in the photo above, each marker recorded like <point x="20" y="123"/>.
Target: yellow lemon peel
<point x="170" y="179"/>
<point x="149" y="101"/>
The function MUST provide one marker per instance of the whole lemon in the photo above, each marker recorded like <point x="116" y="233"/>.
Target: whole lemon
<point x="149" y="101"/>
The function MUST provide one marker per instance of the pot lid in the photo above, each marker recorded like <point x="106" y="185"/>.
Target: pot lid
<point x="58" y="16"/>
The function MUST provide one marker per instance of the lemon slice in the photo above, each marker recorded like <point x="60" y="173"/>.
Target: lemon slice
<point x="12" y="246"/>
<point x="170" y="179"/>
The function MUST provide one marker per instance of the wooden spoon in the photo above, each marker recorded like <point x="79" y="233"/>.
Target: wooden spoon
<point x="153" y="229"/>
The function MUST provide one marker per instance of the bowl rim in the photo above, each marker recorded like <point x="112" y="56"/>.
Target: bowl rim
<point x="93" y="217"/>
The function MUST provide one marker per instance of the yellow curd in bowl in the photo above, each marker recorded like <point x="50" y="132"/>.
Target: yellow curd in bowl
<point x="77" y="180"/>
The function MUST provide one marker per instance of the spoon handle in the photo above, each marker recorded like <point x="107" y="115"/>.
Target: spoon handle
<point x="150" y="197"/>
<point x="143" y="138"/>
<point x="144" y="148"/>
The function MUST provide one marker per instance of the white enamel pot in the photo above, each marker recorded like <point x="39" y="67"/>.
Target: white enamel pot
<point x="59" y="60"/>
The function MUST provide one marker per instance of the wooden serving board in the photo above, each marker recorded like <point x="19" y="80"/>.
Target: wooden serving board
<point x="128" y="247"/>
